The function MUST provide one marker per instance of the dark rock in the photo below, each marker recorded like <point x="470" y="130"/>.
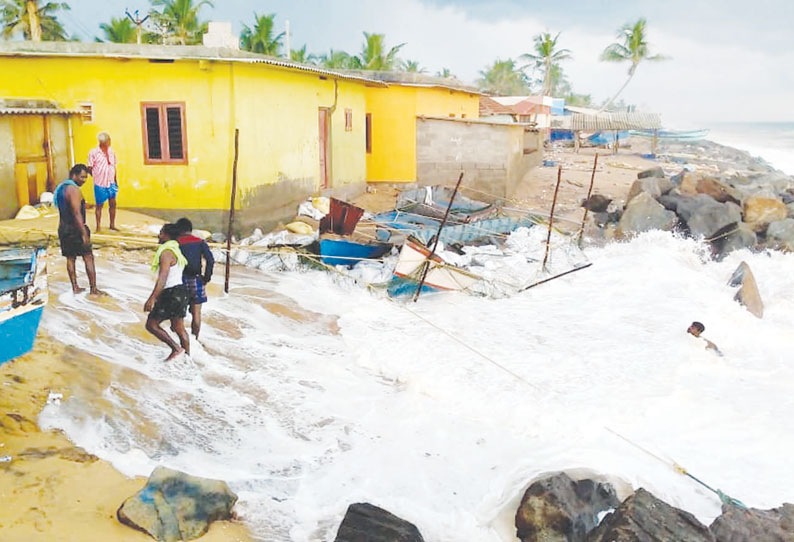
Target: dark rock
<point x="364" y="522"/>
<point x="734" y="237"/>
<point x="559" y="508"/>
<point x="748" y="294"/>
<point x="644" y="518"/>
<point x="670" y="200"/>
<point x="643" y="213"/>
<point x="705" y="217"/>
<point x="739" y="525"/>
<point x="175" y="506"/>
<point x="780" y="235"/>
<point x="790" y="207"/>
<point x="596" y="203"/>
<point x="653" y="172"/>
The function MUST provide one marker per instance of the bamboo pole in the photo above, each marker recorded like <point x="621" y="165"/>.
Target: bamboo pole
<point x="587" y="201"/>
<point x="555" y="277"/>
<point x="231" y="209"/>
<point x="429" y="259"/>
<point x="551" y="215"/>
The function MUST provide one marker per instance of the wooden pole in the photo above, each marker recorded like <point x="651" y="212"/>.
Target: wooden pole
<point x="231" y="210"/>
<point x="551" y="215"/>
<point x="555" y="277"/>
<point x="587" y="201"/>
<point x="429" y="259"/>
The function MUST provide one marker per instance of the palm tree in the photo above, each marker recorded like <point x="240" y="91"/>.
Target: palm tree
<point x="504" y="78"/>
<point x="120" y="30"/>
<point x="339" y="60"/>
<point x="546" y="57"/>
<point x="260" y="38"/>
<point x="445" y="73"/>
<point x="412" y="66"/>
<point x="634" y="49"/>
<point x="372" y="55"/>
<point x="300" y="55"/>
<point x="179" y="20"/>
<point x="34" y="19"/>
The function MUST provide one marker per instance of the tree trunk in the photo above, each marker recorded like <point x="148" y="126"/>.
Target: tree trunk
<point x="616" y="94"/>
<point x="33" y="20"/>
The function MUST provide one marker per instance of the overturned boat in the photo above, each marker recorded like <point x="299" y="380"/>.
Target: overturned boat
<point x="440" y="276"/>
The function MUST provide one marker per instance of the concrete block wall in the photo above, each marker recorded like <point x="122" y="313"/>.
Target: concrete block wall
<point x="490" y="155"/>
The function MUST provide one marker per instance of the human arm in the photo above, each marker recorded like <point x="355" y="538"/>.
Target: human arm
<point x="74" y="207"/>
<point x="210" y="262"/>
<point x="167" y="259"/>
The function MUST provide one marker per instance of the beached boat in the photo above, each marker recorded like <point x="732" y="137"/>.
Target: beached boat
<point x="433" y="201"/>
<point x="349" y="253"/>
<point x="441" y="276"/>
<point x="394" y="226"/>
<point x="679" y="135"/>
<point x="23" y="294"/>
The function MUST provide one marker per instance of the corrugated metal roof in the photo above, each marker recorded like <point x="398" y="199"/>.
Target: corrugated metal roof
<point x="615" y="121"/>
<point x="38" y="111"/>
<point x="165" y="53"/>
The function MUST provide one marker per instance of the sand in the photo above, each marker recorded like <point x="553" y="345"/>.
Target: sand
<point x="52" y="490"/>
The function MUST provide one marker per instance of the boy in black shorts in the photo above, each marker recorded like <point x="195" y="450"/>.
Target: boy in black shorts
<point x="194" y="250"/>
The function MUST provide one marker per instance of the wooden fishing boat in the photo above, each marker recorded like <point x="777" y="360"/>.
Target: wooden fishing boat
<point x="23" y="295"/>
<point x="441" y="276"/>
<point x="680" y="135"/>
<point x="349" y="253"/>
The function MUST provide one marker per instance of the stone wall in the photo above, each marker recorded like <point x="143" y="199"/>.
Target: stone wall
<point x="493" y="156"/>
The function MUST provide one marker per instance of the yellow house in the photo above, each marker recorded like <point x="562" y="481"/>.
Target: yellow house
<point x="172" y="113"/>
<point x="392" y="114"/>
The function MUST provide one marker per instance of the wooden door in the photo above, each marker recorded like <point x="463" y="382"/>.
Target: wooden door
<point x="33" y="167"/>
<point x="325" y="170"/>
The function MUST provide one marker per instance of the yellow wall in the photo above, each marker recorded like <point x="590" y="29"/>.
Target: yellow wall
<point x="394" y="111"/>
<point x="276" y="111"/>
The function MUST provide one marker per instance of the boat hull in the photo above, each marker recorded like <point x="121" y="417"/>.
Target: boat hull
<point x="440" y="275"/>
<point x="349" y="253"/>
<point x="23" y="295"/>
<point x="18" y="334"/>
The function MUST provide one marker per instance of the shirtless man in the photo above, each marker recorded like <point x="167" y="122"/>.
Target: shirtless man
<point x="73" y="233"/>
<point x="169" y="299"/>
<point x="696" y="329"/>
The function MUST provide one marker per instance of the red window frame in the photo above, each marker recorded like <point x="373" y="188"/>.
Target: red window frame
<point x="369" y="132"/>
<point x="165" y="147"/>
<point x="348" y="120"/>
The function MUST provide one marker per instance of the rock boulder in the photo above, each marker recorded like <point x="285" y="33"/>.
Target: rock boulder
<point x="705" y="217"/>
<point x="559" y="508"/>
<point x="735" y="237"/>
<point x="780" y="234"/>
<point x="596" y="203"/>
<point x="653" y="186"/>
<point x="644" y="518"/>
<point x="760" y="211"/>
<point x="652" y="172"/>
<point x="737" y="524"/>
<point x="748" y="294"/>
<point x="364" y="522"/>
<point x="175" y="506"/>
<point x="718" y="190"/>
<point x="643" y="213"/>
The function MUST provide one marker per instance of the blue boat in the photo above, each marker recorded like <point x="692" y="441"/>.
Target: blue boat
<point x="677" y="135"/>
<point x="23" y="295"/>
<point x="349" y="253"/>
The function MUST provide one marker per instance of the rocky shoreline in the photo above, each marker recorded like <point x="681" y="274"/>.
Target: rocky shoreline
<point x="707" y="191"/>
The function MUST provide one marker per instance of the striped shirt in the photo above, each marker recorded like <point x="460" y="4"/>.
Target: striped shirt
<point x="103" y="166"/>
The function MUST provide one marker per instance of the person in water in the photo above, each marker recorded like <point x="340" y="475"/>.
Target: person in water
<point x="195" y="249"/>
<point x="696" y="329"/>
<point x="169" y="299"/>
<point x="73" y="233"/>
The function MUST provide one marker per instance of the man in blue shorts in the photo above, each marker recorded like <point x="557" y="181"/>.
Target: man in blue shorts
<point x="194" y="250"/>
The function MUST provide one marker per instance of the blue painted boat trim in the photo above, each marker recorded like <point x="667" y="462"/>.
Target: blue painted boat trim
<point x="18" y="334"/>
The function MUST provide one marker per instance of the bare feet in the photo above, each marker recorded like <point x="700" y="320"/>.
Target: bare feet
<point x="176" y="353"/>
<point x="77" y="290"/>
<point x="114" y="228"/>
<point x="97" y="292"/>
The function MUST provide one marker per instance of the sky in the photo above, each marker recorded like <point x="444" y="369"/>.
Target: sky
<point x="728" y="60"/>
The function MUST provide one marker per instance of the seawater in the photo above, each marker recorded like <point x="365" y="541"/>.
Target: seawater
<point x="772" y="141"/>
<point x="310" y="394"/>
